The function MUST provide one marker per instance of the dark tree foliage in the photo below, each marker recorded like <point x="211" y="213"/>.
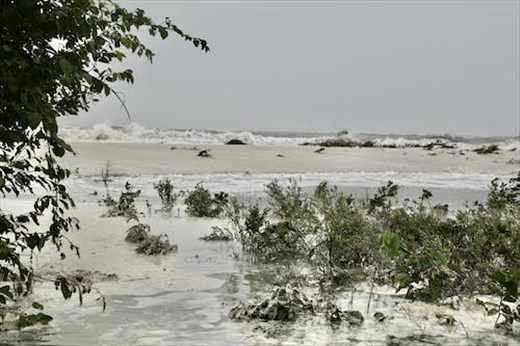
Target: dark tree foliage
<point x="55" y="60"/>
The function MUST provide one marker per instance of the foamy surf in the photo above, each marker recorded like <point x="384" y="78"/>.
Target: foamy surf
<point x="136" y="133"/>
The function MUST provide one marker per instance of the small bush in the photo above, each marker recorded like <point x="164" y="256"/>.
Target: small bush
<point x="502" y="194"/>
<point x="155" y="245"/>
<point x="168" y="197"/>
<point x="200" y="203"/>
<point x="149" y="244"/>
<point x="218" y="234"/>
<point x="125" y="206"/>
<point x="138" y="233"/>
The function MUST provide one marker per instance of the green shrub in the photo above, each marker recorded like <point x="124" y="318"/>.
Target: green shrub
<point x="421" y="248"/>
<point x="200" y="203"/>
<point x="125" y="206"/>
<point x="168" y="197"/>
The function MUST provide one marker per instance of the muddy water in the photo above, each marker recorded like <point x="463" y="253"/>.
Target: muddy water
<point x="179" y="298"/>
<point x="184" y="298"/>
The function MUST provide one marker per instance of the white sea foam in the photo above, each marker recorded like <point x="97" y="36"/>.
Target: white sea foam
<point x="135" y="133"/>
<point x="450" y="188"/>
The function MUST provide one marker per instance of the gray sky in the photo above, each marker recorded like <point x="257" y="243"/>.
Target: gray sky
<point x="368" y="66"/>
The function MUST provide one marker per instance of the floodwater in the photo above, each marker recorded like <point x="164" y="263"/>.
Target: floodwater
<point x="184" y="298"/>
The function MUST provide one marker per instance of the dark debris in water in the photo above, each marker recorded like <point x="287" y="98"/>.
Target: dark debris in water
<point x="352" y="317"/>
<point x="285" y="304"/>
<point x="379" y="316"/>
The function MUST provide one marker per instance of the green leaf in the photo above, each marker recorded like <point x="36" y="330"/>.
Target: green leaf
<point x="65" y="65"/>
<point x="32" y="241"/>
<point x="391" y="243"/>
<point x="163" y="32"/>
<point x="65" y="290"/>
<point x="492" y="312"/>
<point x="402" y="278"/>
<point x="30" y="320"/>
<point x="6" y="291"/>
<point x="37" y="306"/>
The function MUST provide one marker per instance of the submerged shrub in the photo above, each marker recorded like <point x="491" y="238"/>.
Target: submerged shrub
<point x="168" y="197"/>
<point x="138" y="233"/>
<point x="200" y="203"/>
<point x="149" y="244"/>
<point x="155" y="245"/>
<point x="125" y="206"/>
<point x="443" y="255"/>
<point x="285" y="304"/>
<point x="218" y="234"/>
<point x="424" y="249"/>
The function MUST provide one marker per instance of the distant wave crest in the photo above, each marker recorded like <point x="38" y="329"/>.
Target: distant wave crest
<point x="135" y="133"/>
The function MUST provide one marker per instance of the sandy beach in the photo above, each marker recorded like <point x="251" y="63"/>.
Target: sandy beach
<point x="131" y="159"/>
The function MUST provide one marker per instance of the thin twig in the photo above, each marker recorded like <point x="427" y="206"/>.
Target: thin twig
<point x="371" y="291"/>
<point x="465" y="331"/>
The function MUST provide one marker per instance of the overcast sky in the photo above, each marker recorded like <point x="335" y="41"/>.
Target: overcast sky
<point x="367" y="66"/>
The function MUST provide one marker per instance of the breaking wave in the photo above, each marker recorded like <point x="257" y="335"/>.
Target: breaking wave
<point x="135" y="133"/>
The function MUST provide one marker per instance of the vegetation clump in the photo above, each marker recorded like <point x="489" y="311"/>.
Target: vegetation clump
<point x="200" y="202"/>
<point x="218" y="234"/>
<point x="350" y="143"/>
<point x="125" y="206"/>
<point x="138" y="233"/>
<point x="352" y="317"/>
<point x="28" y="320"/>
<point x="168" y="197"/>
<point x="429" y="251"/>
<point x="439" y="144"/>
<point x="487" y="149"/>
<point x="342" y="142"/>
<point x="156" y="245"/>
<point x="148" y="244"/>
<point x="284" y="304"/>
